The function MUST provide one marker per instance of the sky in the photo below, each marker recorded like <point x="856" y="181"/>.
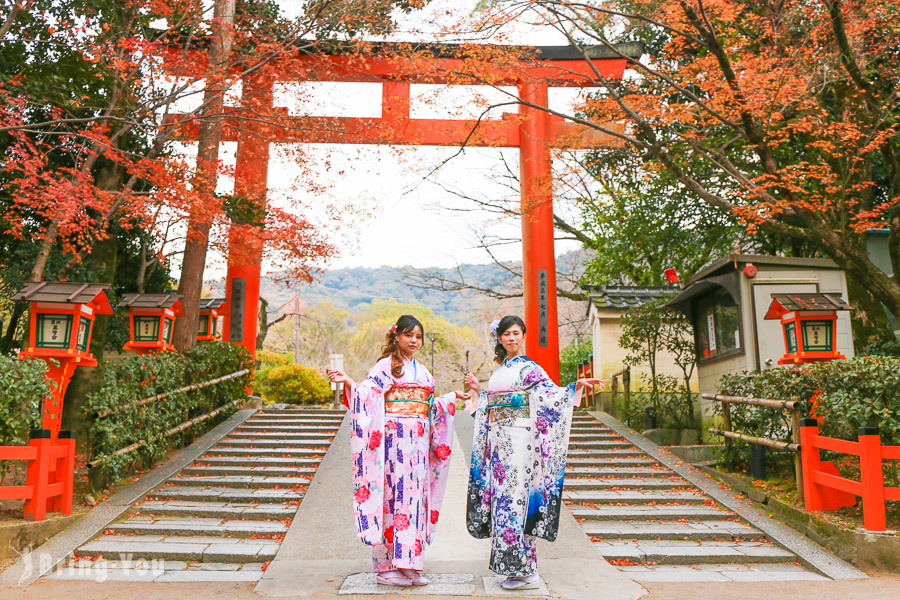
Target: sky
<point x="402" y="215"/>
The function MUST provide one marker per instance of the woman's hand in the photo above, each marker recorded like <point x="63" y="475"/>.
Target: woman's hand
<point x="472" y="383"/>
<point x="589" y="382"/>
<point x="337" y="376"/>
<point x="581" y="384"/>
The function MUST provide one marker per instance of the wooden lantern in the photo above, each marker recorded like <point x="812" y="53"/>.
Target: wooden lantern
<point x="152" y="318"/>
<point x="62" y="317"/>
<point x="808" y="323"/>
<point x="210" y="310"/>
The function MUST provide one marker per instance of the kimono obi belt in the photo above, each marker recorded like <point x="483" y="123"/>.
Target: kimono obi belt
<point x="406" y="400"/>
<point x="508" y="404"/>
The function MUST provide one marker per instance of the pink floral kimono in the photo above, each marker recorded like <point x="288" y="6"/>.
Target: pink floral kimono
<point x="400" y="445"/>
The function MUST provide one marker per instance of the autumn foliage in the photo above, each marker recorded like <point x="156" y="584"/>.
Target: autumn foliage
<point x="782" y="114"/>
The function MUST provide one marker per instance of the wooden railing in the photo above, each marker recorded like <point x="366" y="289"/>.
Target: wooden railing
<point x="178" y="428"/>
<point x="625" y="374"/>
<point x="792" y="405"/>
<point x="51" y="475"/>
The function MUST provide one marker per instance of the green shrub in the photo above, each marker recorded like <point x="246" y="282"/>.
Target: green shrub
<point x="128" y="380"/>
<point x="862" y="391"/>
<point x="293" y="384"/>
<point x="266" y="358"/>
<point x="22" y="387"/>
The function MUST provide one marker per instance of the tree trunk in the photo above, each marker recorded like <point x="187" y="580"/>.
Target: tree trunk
<point x="869" y="319"/>
<point x="102" y="265"/>
<point x="210" y="135"/>
<point x="9" y="338"/>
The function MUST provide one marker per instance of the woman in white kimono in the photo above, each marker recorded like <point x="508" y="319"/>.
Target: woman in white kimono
<point x="400" y="447"/>
<point x="521" y="438"/>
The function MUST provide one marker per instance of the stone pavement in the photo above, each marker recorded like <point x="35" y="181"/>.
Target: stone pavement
<point x="321" y="555"/>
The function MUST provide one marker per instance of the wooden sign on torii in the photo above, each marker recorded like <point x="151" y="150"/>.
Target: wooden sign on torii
<point x="396" y="66"/>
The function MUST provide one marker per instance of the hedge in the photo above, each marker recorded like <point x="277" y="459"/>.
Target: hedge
<point x="126" y="381"/>
<point x="844" y="394"/>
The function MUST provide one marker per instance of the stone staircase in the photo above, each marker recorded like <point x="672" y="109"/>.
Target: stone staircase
<point x="223" y="517"/>
<point x="651" y="523"/>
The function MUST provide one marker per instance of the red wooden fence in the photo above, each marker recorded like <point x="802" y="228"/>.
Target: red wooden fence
<point x="826" y="489"/>
<point x="51" y="474"/>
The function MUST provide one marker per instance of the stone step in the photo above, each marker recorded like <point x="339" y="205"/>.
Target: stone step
<point x="234" y="510"/>
<point x="271" y="421"/>
<point x="287" y="429"/>
<point x="632" y="496"/>
<point x="225" y="494"/>
<point x="604" y="461"/>
<point x="693" y="553"/>
<point x="280" y="435"/>
<point x="748" y="572"/>
<point x="245" y="451"/>
<point x="694" y="531"/>
<point x="339" y="412"/>
<point x="249" y="442"/>
<point x="621" y="483"/>
<point x="626" y="472"/>
<point x="607" y="443"/>
<point x="646" y="512"/>
<point x="241" y="481"/>
<point x="613" y="453"/>
<point x="198" y="526"/>
<point x="249" y="470"/>
<point x="256" y="461"/>
<point x="186" y="548"/>
<point x="158" y="570"/>
<point x="594" y="435"/>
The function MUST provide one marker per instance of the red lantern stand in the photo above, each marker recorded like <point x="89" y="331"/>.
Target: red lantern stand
<point x="808" y="323"/>
<point x="152" y="318"/>
<point x="61" y="324"/>
<point x="210" y="310"/>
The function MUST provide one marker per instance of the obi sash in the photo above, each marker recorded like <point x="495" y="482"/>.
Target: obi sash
<point x="409" y="400"/>
<point x="507" y="404"/>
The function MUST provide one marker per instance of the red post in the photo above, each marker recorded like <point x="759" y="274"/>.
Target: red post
<point x="871" y="476"/>
<point x="250" y="181"/>
<point x="812" y="461"/>
<point x="38" y="477"/>
<point x="538" y="257"/>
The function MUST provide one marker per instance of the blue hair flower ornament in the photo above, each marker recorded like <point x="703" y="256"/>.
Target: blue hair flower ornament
<point x="494" y="326"/>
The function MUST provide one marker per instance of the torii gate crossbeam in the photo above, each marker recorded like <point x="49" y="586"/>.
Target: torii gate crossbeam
<point x="532" y="130"/>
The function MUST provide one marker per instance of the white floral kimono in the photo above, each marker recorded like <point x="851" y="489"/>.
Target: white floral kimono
<point x="521" y="438"/>
<point x="400" y="445"/>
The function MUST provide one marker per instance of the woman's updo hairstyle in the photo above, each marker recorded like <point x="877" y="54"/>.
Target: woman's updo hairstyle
<point x="504" y="324"/>
<point x="405" y="324"/>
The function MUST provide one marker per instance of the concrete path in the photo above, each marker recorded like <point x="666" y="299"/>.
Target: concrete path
<point x="322" y="556"/>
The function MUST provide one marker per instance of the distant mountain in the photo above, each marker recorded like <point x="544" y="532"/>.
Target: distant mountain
<point x="355" y="288"/>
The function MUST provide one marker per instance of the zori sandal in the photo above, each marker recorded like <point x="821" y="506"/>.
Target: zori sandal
<point x="415" y="577"/>
<point x="394" y="578"/>
<point x="526" y="582"/>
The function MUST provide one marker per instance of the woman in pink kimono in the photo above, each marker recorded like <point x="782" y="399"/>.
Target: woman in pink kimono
<point x="400" y="446"/>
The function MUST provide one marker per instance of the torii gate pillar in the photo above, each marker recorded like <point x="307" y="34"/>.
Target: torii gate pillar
<point x="538" y="257"/>
<point x="245" y="252"/>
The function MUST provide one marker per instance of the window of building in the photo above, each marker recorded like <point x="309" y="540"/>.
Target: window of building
<point x="717" y="326"/>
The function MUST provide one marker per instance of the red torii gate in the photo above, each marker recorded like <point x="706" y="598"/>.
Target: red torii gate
<point x="396" y="67"/>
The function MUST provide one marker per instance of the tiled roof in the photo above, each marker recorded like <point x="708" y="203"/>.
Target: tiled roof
<point x="625" y="296"/>
<point x="212" y="302"/>
<point x="66" y="292"/>
<point x="162" y="300"/>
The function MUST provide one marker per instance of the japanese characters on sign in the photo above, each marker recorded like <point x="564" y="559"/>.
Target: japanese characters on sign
<point x="543" y="331"/>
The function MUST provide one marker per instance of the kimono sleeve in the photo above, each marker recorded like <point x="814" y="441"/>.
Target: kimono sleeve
<point x="367" y="453"/>
<point x="443" y="410"/>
